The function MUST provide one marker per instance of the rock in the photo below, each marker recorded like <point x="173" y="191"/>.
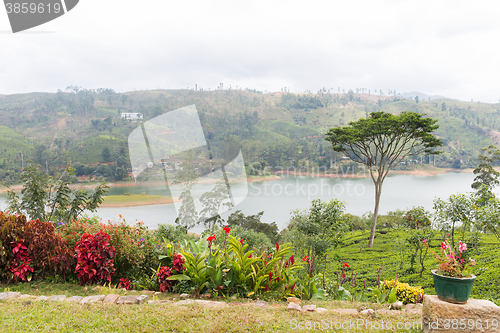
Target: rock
<point x="57" y="298"/>
<point x="132" y="299"/>
<point x="95" y="288"/>
<point x="141" y="299"/>
<point x="346" y="311"/>
<point x="368" y="312"/>
<point x="206" y="295"/>
<point x="147" y="292"/>
<point x="411" y="306"/>
<point x="310" y="308"/>
<point x="157" y="293"/>
<point x="73" y="299"/>
<point x="42" y="298"/>
<point x="293" y="300"/>
<point x="153" y="302"/>
<point x="9" y="294"/>
<point x="390" y="313"/>
<point x="294" y="306"/>
<point x="24" y="296"/>
<point x="261" y="304"/>
<point x="110" y="298"/>
<point x="92" y="299"/>
<point x="182" y="296"/>
<point x="397" y="305"/>
<point x="476" y="315"/>
<point x="212" y="303"/>
<point x="185" y="302"/>
<point x="234" y="297"/>
<point x="321" y="310"/>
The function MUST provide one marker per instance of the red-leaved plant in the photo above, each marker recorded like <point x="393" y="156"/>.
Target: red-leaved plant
<point x="20" y="263"/>
<point x="125" y="283"/>
<point x="95" y="258"/>
<point x="165" y="271"/>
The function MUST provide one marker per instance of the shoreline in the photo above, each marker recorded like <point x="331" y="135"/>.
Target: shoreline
<point x="277" y="175"/>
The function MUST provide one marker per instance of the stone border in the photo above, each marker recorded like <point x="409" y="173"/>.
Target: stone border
<point x="293" y="303"/>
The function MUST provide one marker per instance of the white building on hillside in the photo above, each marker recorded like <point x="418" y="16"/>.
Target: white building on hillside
<point x="131" y="116"/>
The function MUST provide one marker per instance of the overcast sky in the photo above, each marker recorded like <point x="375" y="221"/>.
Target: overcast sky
<point x="448" y="48"/>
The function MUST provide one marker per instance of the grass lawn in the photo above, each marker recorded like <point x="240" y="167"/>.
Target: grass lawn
<point x="134" y="200"/>
<point x="21" y="315"/>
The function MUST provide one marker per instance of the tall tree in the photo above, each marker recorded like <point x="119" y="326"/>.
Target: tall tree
<point x="381" y="142"/>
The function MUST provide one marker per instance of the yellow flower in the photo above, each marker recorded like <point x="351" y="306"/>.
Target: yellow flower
<point x="169" y="246"/>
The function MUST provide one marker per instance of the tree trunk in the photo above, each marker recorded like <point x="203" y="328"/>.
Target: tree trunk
<point x="378" y="191"/>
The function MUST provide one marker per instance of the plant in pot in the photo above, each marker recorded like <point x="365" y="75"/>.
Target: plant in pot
<point x="451" y="280"/>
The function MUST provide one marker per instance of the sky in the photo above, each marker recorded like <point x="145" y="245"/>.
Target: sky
<point x="447" y="48"/>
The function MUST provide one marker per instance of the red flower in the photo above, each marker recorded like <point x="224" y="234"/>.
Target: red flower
<point x="293" y="286"/>
<point x="219" y="288"/>
<point x="304" y="259"/>
<point x="277" y="247"/>
<point x="241" y="241"/>
<point x="211" y="238"/>
<point x="270" y="276"/>
<point x="226" y="229"/>
<point x="346" y="265"/>
<point x="343" y="276"/>
<point x="250" y="256"/>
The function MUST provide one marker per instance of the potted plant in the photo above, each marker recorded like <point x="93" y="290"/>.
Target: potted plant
<point x="451" y="281"/>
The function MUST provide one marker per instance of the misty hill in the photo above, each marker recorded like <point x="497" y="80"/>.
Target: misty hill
<point x="274" y="129"/>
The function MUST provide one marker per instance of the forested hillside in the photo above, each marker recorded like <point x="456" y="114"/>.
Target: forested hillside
<point x="83" y="127"/>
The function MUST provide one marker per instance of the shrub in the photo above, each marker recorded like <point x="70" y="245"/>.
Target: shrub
<point x="404" y="292"/>
<point x="49" y="251"/>
<point x="95" y="258"/>
<point x="33" y="244"/>
<point x="11" y="227"/>
<point x="137" y="249"/>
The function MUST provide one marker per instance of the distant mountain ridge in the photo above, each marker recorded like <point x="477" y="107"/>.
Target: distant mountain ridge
<point x="421" y="96"/>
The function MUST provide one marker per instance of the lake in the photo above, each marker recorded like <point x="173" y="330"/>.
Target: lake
<point x="278" y="198"/>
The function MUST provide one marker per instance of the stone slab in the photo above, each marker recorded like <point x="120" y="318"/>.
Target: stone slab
<point x="132" y="299"/>
<point x="476" y="315"/>
<point x="73" y="299"/>
<point x="92" y="299"/>
<point x="9" y="294"/>
<point x="294" y="307"/>
<point x="42" y="298"/>
<point x="57" y="298"/>
<point x="110" y="298"/>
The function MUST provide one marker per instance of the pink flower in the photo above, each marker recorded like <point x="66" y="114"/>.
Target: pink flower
<point x="462" y="247"/>
<point x="462" y="260"/>
<point x="444" y="246"/>
<point x="472" y="261"/>
<point x="425" y="241"/>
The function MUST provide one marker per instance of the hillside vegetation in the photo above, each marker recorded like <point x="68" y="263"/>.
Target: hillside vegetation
<point x="83" y="127"/>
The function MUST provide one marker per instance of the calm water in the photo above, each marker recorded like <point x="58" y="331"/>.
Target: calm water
<point x="278" y="198"/>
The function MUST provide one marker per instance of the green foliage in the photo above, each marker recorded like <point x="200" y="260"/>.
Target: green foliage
<point x="488" y="217"/>
<point x="46" y="199"/>
<point x="486" y="177"/>
<point x="319" y="227"/>
<point x="416" y="243"/>
<point x="459" y="209"/>
<point x="253" y="223"/>
<point x="417" y="218"/>
<point x="173" y="233"/>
